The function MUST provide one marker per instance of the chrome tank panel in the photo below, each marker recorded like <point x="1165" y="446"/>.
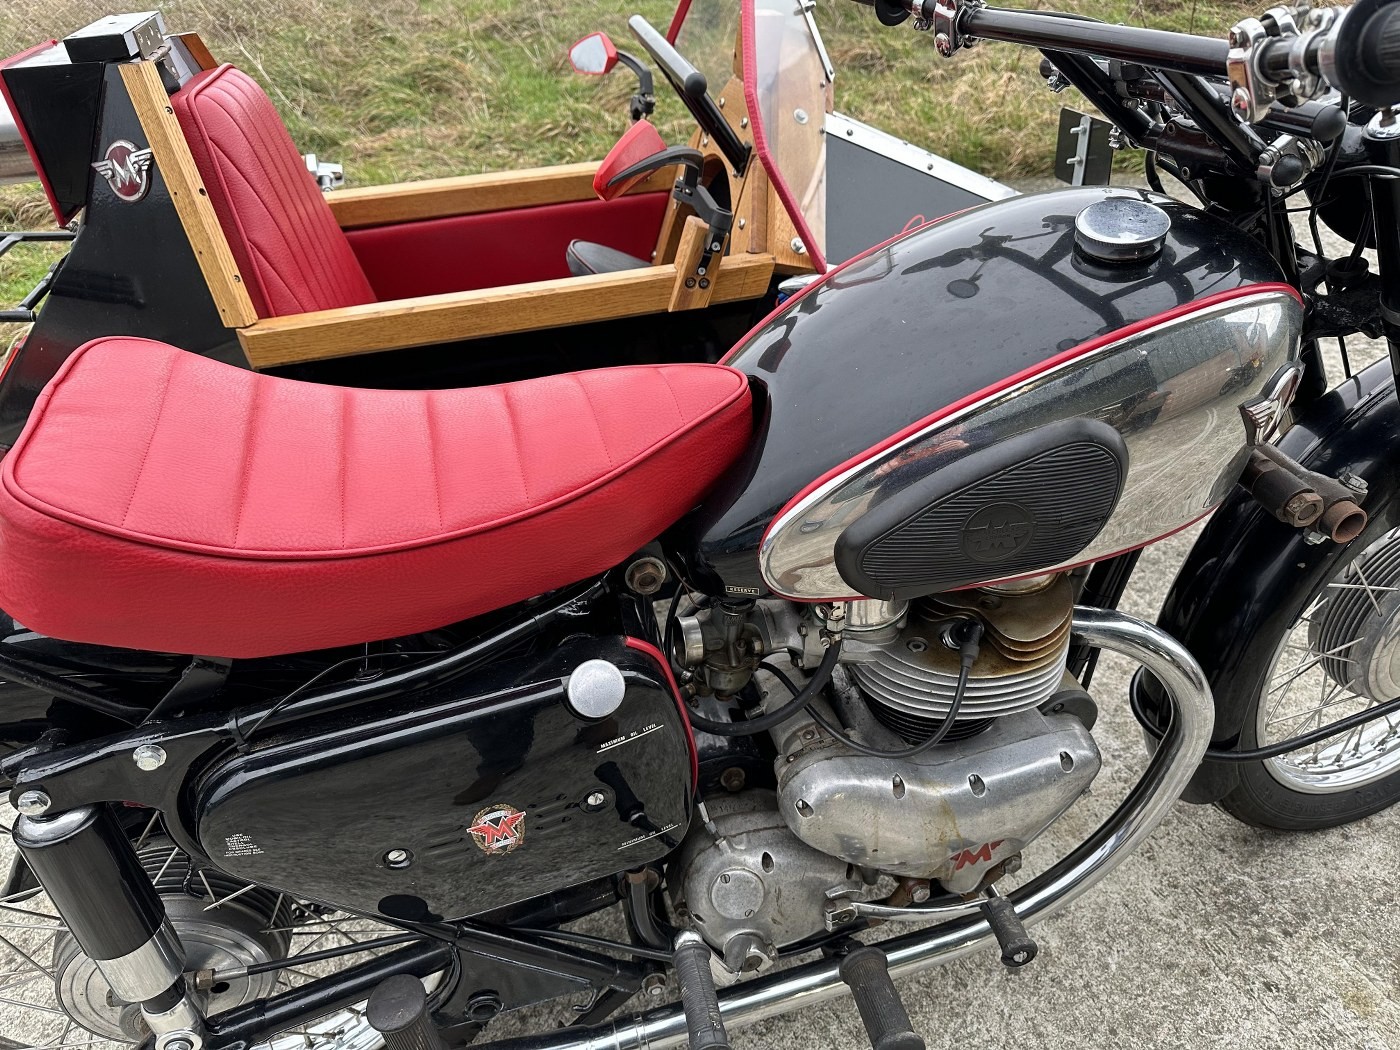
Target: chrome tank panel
<point x="922" y="337"/>
<point x="1173" y="391"/>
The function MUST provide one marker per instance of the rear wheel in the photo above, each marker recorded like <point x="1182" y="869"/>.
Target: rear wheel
<point x="52" y="997"/>
<point x="1337" y="653"/>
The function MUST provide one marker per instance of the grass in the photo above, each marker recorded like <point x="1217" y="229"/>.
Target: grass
<point x="398" y="90"/>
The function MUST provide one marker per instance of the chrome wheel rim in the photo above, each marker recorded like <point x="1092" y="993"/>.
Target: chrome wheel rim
<point x="1340" y="657"/>
<point x="32" y="1016"/>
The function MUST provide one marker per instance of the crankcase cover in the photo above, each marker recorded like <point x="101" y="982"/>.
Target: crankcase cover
<point x="950" y="814"/>
<point x="472" y="795"/>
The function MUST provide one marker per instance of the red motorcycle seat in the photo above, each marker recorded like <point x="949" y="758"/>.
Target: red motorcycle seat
<point x="159" y="500"/>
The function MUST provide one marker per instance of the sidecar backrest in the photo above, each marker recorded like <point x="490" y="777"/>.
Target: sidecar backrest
<point x="291" y="252"/>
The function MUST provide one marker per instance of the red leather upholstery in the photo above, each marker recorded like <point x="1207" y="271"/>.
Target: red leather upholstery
<point x="638" y="142"/>
<point x="160" y="500"/>
<point x="289" y="249"/>
<point x="504" y="247"/>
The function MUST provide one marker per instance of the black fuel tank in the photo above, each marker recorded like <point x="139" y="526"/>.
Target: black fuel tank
<point x="938" y="318"/>
<point x="486" y="791"/>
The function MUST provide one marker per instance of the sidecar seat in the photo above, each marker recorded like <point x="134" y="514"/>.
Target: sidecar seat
<point x="160" y="500"/>
<point x="292" y="254"/>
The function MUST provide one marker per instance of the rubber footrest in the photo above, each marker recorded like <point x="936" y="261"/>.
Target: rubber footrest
<point x="867" y="972"/>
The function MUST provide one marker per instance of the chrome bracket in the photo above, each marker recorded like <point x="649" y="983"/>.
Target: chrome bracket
<point x="1311" y="153"/>
<point x="1252" y="90"/>
<point x="943" y="17"/>
<point x="1251" y="94"/>
<point x="328" y="176"/>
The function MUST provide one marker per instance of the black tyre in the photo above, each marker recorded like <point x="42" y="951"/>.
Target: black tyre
<point x="1333" y="650"/>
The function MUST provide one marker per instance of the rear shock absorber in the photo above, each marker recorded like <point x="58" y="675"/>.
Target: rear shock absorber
<point x="91" y="873"/>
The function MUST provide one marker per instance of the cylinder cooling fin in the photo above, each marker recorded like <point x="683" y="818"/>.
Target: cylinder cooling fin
<point x="911" y="682"/>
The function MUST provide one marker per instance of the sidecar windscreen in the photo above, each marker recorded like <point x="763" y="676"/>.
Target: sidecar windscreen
<point x="844" y="185"/>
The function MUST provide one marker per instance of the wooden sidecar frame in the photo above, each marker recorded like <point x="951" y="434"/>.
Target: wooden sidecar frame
<point x="745" y="273"/>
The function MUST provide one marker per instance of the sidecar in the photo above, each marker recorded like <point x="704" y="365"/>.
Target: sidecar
<point x="198" y="223"/>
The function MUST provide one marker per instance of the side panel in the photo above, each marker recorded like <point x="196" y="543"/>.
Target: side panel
<point x="463" y="798"/>
<point x="1236" y="582"/>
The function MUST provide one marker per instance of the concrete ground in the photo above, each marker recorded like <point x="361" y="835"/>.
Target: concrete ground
<point x="1211" y="934"/>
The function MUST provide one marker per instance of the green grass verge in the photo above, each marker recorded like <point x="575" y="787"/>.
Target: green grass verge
<point x="403" y="90"/>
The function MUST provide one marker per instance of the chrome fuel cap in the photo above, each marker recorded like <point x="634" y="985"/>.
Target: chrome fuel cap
<point x="1121" y="229"/>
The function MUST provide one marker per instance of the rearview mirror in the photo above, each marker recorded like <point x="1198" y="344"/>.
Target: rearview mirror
<point x="594" y="55"/>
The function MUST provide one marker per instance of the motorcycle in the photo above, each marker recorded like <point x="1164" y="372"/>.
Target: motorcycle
<point x="764" y="653"/>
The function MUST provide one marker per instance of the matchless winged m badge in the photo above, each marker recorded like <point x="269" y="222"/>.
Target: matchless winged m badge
<point x="127" y="170"/>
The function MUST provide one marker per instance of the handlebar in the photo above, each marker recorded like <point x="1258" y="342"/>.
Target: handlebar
<point x="1358" y="52"/>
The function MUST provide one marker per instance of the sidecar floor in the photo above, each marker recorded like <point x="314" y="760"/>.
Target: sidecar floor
<point x="160" y="500"/>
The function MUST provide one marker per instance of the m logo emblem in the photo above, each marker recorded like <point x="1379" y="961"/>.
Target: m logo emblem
<point x="498" y="829"/>
<point x="127" y="170"/>
<point x="998" y="531"/>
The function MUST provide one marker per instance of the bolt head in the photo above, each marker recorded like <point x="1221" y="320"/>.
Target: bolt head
<point x="398" y="858"/>
<point x="944" y="43"/>
<point x="596" y="799"/>
<point x="33" y="803"/>
<point x="149" y="757"/>
<point x="1240" y="100"/>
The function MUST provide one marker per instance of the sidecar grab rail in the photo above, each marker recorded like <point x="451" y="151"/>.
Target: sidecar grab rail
<point x="1166" y="776"/>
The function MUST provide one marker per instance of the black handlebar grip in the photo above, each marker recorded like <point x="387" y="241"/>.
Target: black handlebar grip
<point x="1366" y="53"/>
<point x="887" y="1023"/>
<point x="691" y="958"/>
<point x="1380" y="45"/>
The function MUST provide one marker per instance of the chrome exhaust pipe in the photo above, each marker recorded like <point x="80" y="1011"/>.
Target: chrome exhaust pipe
<point x="1172" y="765"/>
<point x="15" y="165"/>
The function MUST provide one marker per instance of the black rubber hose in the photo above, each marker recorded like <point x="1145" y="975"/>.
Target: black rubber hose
<point x="968" y="647"/>
<point x="1259" y="754"/>
<point x="765" y="722"/>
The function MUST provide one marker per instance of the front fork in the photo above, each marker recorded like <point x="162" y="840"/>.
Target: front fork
<point x="90" y="871"/>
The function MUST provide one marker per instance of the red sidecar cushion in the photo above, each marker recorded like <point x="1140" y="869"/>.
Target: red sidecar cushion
<point x="160" y="500"/>
<point x="288" y="247"/>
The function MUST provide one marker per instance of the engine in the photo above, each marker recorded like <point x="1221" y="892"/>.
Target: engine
<point x="771" y="867"/>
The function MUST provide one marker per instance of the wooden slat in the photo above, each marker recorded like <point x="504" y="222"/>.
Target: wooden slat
<point x="198" y="50"/>
<point x="474" y="194"/>
<point x="177" y="167"/>
<point x="693" y="290"/>
<point x="455" y="316"/>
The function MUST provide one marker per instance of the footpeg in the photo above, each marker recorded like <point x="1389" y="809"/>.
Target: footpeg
<point x="1017" y="947"/>
<point x="398" y="1010"/>
<point x="691" y="956"/>
<point x="867" y="972"/>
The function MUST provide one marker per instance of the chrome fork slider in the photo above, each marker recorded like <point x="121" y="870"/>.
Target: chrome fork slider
<point x="93" y="877"/>
<point x="1166" y="776"/>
